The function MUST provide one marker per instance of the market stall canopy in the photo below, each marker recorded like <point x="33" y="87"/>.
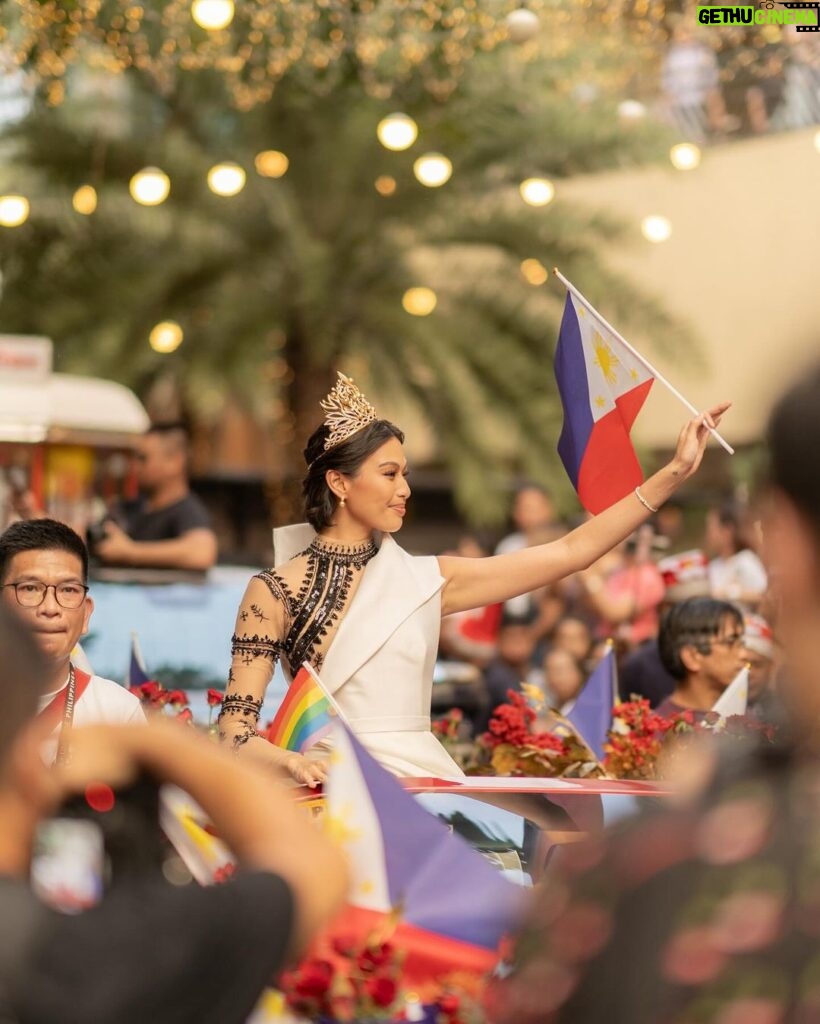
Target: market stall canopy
<point x="37" y="405"/>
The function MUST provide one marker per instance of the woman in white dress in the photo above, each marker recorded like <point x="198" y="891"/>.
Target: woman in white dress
<point x="365" y="614"/>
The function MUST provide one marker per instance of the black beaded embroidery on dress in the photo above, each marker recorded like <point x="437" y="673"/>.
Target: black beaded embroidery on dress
<point x="322" y="597"/>
<point x="309" y="615"/>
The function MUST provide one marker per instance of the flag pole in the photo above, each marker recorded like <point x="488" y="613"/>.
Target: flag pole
<point x="645" y="362"/>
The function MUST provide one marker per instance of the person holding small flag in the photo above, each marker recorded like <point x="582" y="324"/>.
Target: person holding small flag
<point x="345" y="598"/>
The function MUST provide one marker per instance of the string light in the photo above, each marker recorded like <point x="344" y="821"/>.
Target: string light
<point x="397" y="132"/>
<point x="385" y="185"/>
<point x="537" y="191"/>
<point x="433" y="170"/>
<point x="270" y="163"/>
<point x="150" y="186"/>
<point x="656" y="228"/>
<point x="165" y="337"/>
<point x="226" y="179"/>
<point x="84" y="200"/>
<point x="419" y="301"/>
<point x="534" y="272"/>
<point x="685" y="156"/>
<point x="213" y="14"/>
<point x="14" y="211"/>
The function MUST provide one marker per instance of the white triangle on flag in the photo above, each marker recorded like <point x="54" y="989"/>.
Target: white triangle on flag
<point x="735" y="698"/>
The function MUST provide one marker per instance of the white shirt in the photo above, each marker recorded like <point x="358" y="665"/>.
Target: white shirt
<point x="103" y="702"/>
<point x="744" y="571"/>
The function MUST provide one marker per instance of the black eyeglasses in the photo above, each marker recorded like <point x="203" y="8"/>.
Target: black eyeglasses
<point x="735" y="640"/>
<point x="32" y="593"/>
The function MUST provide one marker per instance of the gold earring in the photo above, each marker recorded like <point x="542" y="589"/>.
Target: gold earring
<point x="342" y="501"/>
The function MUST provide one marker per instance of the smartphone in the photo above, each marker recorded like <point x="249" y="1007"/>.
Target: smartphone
<point x="68" y="864"/>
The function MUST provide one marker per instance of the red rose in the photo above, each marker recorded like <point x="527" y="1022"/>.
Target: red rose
<point x="215" y="697"/>
<point x="149" y="691"/>
<point x="381" y="990"/>
<point x="313" y="978"/>
<point x="374" y="956"/>
<point x="186" y="715"/>
<point x="344" y="945"/>
<point x="449" y="1004"/>
<point x="177" y="697"/>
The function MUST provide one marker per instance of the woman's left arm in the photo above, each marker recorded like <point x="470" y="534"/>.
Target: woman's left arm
<point x="475" y="582"/>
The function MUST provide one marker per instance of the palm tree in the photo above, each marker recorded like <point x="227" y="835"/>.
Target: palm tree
<point x="293" y="277"/>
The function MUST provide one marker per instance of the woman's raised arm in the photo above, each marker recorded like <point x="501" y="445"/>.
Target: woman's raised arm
<point x="476" y="582"/>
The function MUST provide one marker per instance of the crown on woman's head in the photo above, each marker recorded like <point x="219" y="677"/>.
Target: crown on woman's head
<point x="347" y="411"/>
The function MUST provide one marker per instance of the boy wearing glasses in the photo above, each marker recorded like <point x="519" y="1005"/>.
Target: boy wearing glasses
<point x="44" y="576"/>
<point x="701" y="646"/>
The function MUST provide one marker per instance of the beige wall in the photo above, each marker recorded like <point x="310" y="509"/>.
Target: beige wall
<point x="742" y="266"/>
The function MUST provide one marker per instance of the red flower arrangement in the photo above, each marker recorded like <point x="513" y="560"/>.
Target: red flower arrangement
<point x="640" y="735"/>
<point x="513" y="746"/>
<point x="350" y="979"/>
<point x="154" y="695"/>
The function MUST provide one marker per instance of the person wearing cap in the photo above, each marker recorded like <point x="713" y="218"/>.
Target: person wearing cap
<point x="759" y="651"/>
<point x="643" y="674"/>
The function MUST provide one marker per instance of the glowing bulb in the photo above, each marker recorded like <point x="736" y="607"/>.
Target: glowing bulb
<point x="537" y="191"/>
<point x="685" y="156"/>
<point x="419" y="301"/>
<point x="270" y="163"/>
<point x="522" y="25"/>
<point x="84" y="200"/>
<point x="631" y="110"/>
<point x="534" y="271"/>
<point x="165" y="337"/>
<point x="432" y="169"/>
<point x="385" y="185"/>
<point x="14" y="211"/>
<point x="226" y="179"/>
<point x="213" y="14"/>
<point x="397" y="132"/>
<point x="150" y="186"/>
<point x="656" y="228"/>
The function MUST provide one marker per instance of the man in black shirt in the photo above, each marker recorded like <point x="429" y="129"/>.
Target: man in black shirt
<point x="168" y="526"/>
<point x="150" y="950"/>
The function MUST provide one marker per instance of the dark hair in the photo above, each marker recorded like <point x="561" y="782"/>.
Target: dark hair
<point x="793" y="435"/>
<point x="692" y="623"/>
<point x="319" y="501"/>
<point x="41" y="535"/>
<point x="729" y="515"/>
<point x="175" y="434"/>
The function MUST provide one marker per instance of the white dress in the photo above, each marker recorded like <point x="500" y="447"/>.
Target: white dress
<point x="378" y="663"/>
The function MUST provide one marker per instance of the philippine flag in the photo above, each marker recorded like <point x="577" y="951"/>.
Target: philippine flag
<point x="602" y="387"/>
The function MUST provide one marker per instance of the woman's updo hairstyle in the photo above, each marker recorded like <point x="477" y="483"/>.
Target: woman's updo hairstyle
<point x="320" y="502"/>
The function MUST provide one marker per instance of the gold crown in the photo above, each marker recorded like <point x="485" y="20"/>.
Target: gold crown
<point x="347" y="411"/>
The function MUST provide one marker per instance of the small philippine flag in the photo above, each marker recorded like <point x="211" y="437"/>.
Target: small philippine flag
<point x="603" y="387"/>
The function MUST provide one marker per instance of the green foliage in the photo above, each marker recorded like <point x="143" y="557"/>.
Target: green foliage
<point x="280" y="284"/>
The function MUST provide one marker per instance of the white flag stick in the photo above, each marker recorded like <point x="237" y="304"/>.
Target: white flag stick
<point x="645" y="362"/>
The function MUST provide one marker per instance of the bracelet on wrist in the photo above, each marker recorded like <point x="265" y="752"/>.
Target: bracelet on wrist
<point x="643" y="500"/>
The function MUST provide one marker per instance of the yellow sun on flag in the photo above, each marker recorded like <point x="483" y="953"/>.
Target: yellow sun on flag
<point x="600" y="401"/>
<point x="367" y="888"/>
<point x="605" y="358"/>
<point x="633" y="373"/>
<point x="337" y="828"/>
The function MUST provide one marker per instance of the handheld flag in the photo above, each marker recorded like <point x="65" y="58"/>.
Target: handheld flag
<point x="735" y="697"/>
<point x="303" y="718"/>
<point x="407" y="867"/>
<point x="602" y="387"/>
<point x="591" y="714"/>
<point x="137" y="672"/>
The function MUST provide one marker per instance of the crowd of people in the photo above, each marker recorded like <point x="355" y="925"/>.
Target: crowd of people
<point x="649" y="596"/>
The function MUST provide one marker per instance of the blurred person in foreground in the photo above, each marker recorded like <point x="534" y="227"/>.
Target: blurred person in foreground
<point x="167" y="527"/>
<point x="701" y="647"/>
<point x="708" y="909"/>
<point x="149" y="950"/>
<point x="44" y="583"/>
